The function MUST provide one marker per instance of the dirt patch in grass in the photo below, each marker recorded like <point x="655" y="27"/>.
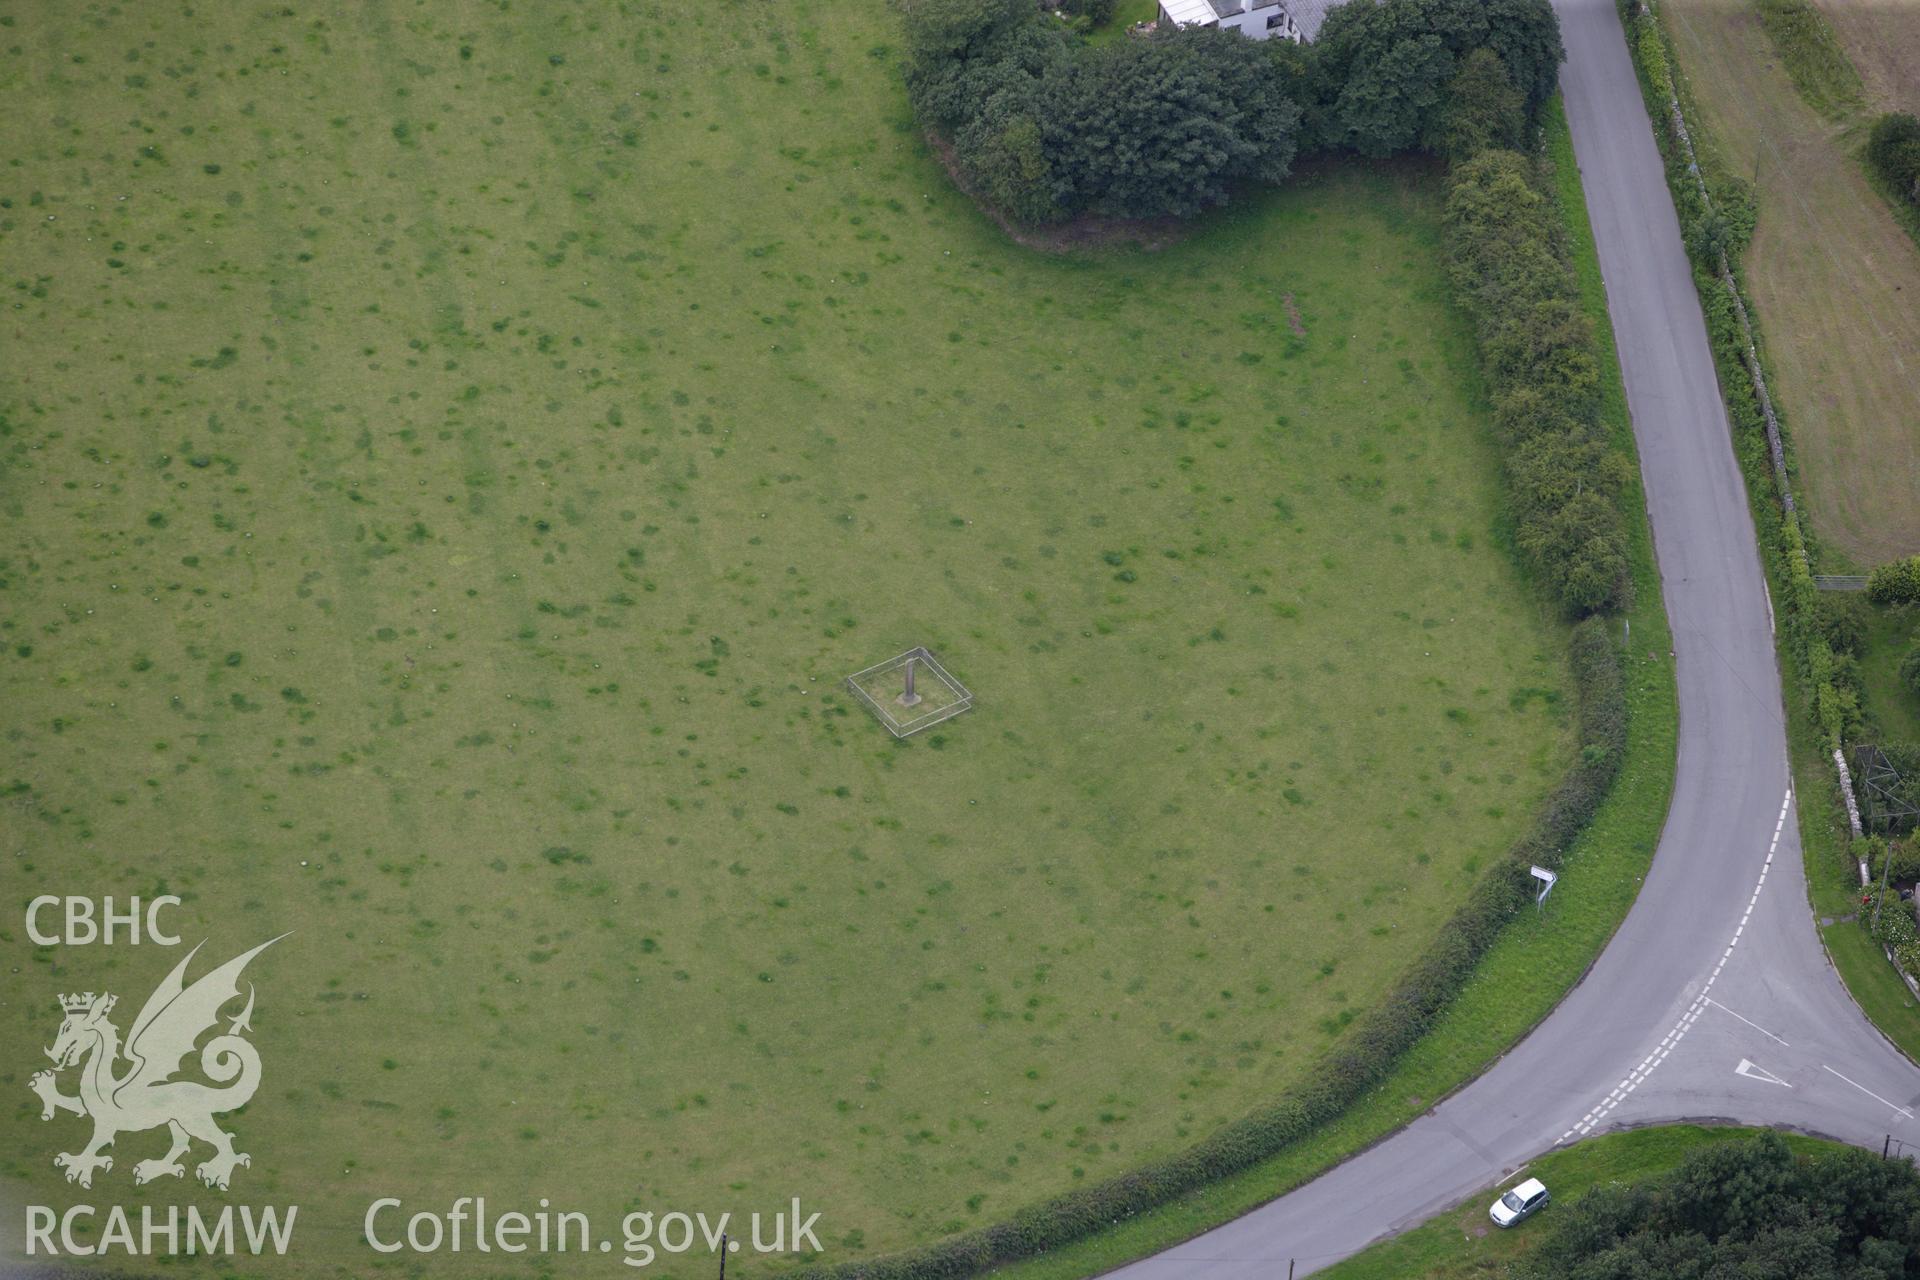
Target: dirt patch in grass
<point x="1294" y="322"/>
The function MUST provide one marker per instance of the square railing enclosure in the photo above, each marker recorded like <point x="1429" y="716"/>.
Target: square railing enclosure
<point x="910" y="692"/>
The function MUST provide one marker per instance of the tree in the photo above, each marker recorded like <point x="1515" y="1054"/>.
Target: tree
<point x="951" y="87"/>
<point x="1005" y="159"/>
<point x="1910" y="667"/>
<point x="1165" y="126"/>
<point x="1387" y="100"/>
<point x="1749" y="1209"/>
<point x="1842" y="619"/>
<point x="1896" y="582"/>
<point x="1481" y="109"/>
<point x="954" y="29"/>
<point x="1893" y="149"/>
<point x="1380" y="72"/>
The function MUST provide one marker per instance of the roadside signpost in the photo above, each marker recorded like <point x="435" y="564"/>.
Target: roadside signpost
<point x="1547" y="880"/>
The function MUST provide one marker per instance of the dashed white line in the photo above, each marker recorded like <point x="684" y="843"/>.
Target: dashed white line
<point x="1680" y="1028"/>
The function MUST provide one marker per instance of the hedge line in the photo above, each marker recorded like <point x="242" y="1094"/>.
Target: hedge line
<point x="1564" y="479"/>
<point x="1716" y="217"/>
<point x="1362" y="1058"/>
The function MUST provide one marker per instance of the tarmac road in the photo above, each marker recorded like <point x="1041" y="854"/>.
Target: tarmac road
<point x="1715" y="999"/>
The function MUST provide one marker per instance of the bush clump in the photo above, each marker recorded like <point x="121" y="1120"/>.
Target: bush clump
<point x="1893" y="153"/>
<point x="1910" y="666"/>
<point x="1896" y="582"/>
<point x="1898" y="859"/>
<point x="1747" y="1208"/>
<point x="1842" y="619"/>
<point x="1563" y="477"/>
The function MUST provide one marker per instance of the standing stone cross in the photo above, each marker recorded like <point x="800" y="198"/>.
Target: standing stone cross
<point x="909" y="698"/>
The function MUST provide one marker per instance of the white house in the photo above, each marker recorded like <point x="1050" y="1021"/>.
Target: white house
<point x="1295" y="20"/>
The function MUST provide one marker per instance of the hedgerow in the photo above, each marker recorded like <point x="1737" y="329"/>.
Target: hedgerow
<point x="1563" y="477"/>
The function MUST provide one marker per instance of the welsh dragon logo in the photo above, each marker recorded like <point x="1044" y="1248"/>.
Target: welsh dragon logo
<point x="146" y="1095"/>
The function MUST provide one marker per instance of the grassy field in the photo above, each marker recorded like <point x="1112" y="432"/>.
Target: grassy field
<point x="453" y="458"/>
<point x="1882" y="42"/>
<point x="1462" y="1243"/>
<point x="1537" y="960"/>
<point x="1832" y="273"/>
<point x="1811" y="55"/>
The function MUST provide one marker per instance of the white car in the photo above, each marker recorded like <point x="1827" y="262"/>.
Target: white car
<point x="1519" y="1203"/>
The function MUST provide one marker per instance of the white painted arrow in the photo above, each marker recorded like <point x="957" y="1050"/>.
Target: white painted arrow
<point x="1752" y="1072"/>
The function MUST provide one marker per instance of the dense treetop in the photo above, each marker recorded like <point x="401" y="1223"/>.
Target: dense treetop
<point x="1743" y="1211"/>
<point x="1045" y="126"/>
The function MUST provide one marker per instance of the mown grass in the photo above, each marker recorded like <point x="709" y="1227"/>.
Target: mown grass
<point x="1539" y="959"/>
<point x="1829" y="277"/>
<point x="1126" y="13"/>
<point x="1812" y="56"/>
<point x="454" y="456"/>
<point x="1462" y="1242"/>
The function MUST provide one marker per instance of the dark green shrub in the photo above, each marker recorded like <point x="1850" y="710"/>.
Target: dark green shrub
<point x="1910" y="666"/>
<point x="1893" y="152"/>
<point x="1164" y="126"/>
<point x="1481" y="110"/>
<point x="1747" y="1208"/>
<point x="1842" y="619"/>
<point x="1168" y="126"/>
<point x="1900" y="859"/>
<point x="1896" y="582"/>
<point x="1381" y="73"/>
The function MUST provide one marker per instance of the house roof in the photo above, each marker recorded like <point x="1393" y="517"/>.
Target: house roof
<point x="1187" y="12"/>
<point x="1309" y="14"/>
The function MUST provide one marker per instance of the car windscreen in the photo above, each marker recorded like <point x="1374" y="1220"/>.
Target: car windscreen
<point x="1513" y="1202"/>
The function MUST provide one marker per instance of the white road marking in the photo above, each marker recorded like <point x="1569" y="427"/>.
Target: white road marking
<point x="1752" y="1072"/>
<point x="1870" y="1093"/>
<point x="1756" y="1026"/>
<point x="1672" y="1040"/>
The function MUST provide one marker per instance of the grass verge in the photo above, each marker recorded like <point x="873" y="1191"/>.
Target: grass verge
<point x="1538" y="960"/>
<point x="1462" y="1243"/>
